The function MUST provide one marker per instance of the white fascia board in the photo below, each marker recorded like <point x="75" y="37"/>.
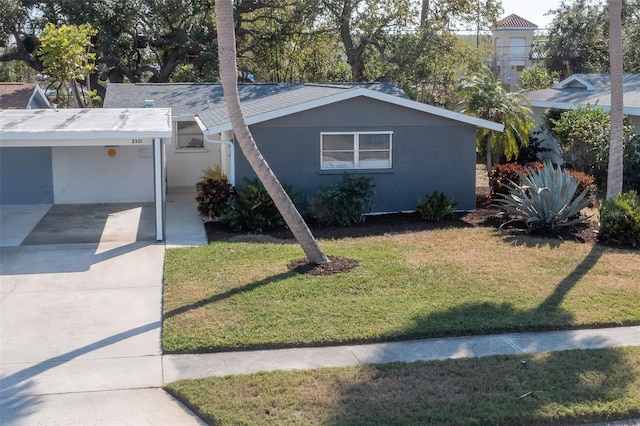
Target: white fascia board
<point x="350" y="94"/>
<point x="564" y="83"/>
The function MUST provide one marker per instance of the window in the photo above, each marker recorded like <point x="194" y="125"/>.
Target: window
<point x="189" y="135"/>
<point x="517" y="46"/>
<point x="366" y="150"/>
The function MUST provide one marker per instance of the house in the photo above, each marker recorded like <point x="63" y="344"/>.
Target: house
<point x="22" y="96"/>
<point x="84" y="156"/>
<point x="587" y="89"/>
<point x="311" y="134"/>
<point x="512" y="38"/>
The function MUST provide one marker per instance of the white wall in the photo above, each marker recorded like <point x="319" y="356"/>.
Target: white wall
<point x="185" y="167"/>
<point x="90" y="175"/>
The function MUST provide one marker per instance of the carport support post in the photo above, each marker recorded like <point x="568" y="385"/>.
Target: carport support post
<point x="158" y="180"/>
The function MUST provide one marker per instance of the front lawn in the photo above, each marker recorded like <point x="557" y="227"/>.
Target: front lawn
<point x="233" y="295"/>
<point x="558" y="388"/>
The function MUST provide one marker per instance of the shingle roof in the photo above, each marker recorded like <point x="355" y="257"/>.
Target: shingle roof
<point x="15" y="95"/>
<point x="263" y="101"/>
<point x="194" y="98"/>
<point x="583" y="89"/>
<point x="515" y="21"/>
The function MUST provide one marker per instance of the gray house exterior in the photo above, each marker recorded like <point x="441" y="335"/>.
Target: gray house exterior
<point x="26" y="175"/>
<point x="311" y="134"/>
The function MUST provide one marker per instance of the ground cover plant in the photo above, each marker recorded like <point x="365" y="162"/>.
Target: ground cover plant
<point x="558" y="388"/>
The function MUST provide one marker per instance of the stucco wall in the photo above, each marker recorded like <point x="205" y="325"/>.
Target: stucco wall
<point x="185" y="167"/>
<point x="429" y="153"/>
<point x="90" y="175"/>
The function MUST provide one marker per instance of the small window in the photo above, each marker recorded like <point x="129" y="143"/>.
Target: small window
<point x="366" y="150"/>
<point x="189" y="135"/>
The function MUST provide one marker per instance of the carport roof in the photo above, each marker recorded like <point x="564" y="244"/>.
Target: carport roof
<point x="84" y="125"/>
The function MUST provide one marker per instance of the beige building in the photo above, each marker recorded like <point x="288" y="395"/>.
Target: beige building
<point x="512" y="39"/>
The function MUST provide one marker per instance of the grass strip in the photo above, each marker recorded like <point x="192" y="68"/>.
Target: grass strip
<point x="555" y="388"/>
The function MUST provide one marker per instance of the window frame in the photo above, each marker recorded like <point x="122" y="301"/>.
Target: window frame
<point x="177" y="137"/>
<point x="356" y="150"/>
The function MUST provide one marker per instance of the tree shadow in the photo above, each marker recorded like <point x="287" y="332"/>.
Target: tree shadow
<point x="519" y="391"/>
<point x="551" y="388"/>
<point x="229" y="293"/>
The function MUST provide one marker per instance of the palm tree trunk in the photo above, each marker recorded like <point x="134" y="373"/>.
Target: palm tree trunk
<point x="615" y="170"/>
<point x="489" y="153"/>
<point x="228" y="77"/>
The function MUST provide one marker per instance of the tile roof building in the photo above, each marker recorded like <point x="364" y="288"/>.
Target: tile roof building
<point x="512" y="39"/>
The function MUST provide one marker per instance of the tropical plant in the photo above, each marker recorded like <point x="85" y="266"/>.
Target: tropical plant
<point x="250" y="208"/>
<point x="620" y="220"/>
<point x="228" y="76"/>
<point x="345" y="202"/>
<point x="546" y="199"/>
<point x="213" y="196"/>
<point x="486" y="98"/>
<point x="436" y="206"/>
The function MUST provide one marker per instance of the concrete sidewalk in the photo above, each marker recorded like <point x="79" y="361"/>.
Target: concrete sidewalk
<point x="178" y="367"/>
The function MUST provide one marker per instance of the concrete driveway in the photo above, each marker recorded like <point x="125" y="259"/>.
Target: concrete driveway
<point x="80" y="320"/>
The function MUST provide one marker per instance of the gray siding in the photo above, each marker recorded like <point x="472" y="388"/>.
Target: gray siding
<point x="26" y="176"/>
<point x="429" y="152"/>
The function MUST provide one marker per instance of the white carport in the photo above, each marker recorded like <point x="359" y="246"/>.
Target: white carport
<point x="98" y="155"/>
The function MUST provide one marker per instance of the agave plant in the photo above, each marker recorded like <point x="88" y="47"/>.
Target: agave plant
<point x="546" y="199"/>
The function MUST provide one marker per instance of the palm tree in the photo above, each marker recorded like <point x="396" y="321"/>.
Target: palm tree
<point x="486" y="98"/>
<point x="228" y="77"/>
<point x="615" y="169"/>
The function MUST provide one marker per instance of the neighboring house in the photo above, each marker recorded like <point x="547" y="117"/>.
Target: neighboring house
<point x="587" y="89"/>
<point x="76" y="156"/>
<point x="22" y="96"/>
<point x="311" y="134"/>
<point x="512" y="39"/>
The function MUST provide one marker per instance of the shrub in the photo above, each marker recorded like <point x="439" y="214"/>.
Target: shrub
<point x="502" y="174"/>
<point x="345" y="202"/>
<point x="436" y="206"/>
<point x="212" y="197"/>
<point x="252" y="209"/>
<point x="620" y="220"/>
<point x="587" y="182"/>
<point x="546" y="199"/>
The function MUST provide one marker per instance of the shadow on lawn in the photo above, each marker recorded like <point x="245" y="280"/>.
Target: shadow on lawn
<point x="227" y="294"/>
<point x="548" y="315"/>
<point x="553" y="388"/>
<point x="485" y="391"/>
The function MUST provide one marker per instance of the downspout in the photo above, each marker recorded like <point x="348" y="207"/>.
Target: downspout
<point x="232" y="169"/>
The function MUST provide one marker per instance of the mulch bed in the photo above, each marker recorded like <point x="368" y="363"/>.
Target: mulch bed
<point x="485" y="215"/>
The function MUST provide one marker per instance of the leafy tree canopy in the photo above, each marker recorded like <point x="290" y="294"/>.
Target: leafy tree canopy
<point x="578" y="38"/>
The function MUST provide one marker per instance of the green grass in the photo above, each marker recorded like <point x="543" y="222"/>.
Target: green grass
<point x="240" y="295"/>
<point x="558" y="388"/>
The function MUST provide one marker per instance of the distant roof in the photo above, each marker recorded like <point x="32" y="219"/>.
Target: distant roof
<point x="515" y="21"/>
<point x="83" y="125"/>
<point x="583" y="89"/>
<point x="19" y="96"/>
<point x="261" y="102"/>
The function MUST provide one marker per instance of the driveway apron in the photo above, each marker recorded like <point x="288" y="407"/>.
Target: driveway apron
<point x="80" y="327"/>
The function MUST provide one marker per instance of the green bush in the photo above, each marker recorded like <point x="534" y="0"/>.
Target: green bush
<point x="212" y="196"/>
<point x="345" y="202"/>
<point x="546" y="199"/>
<point x="436" y="206"/>
<point x="620" y="220"/>
<point x="252" y="209"/>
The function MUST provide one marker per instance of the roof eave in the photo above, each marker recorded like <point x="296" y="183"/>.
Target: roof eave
<point x="350" y="94"/>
